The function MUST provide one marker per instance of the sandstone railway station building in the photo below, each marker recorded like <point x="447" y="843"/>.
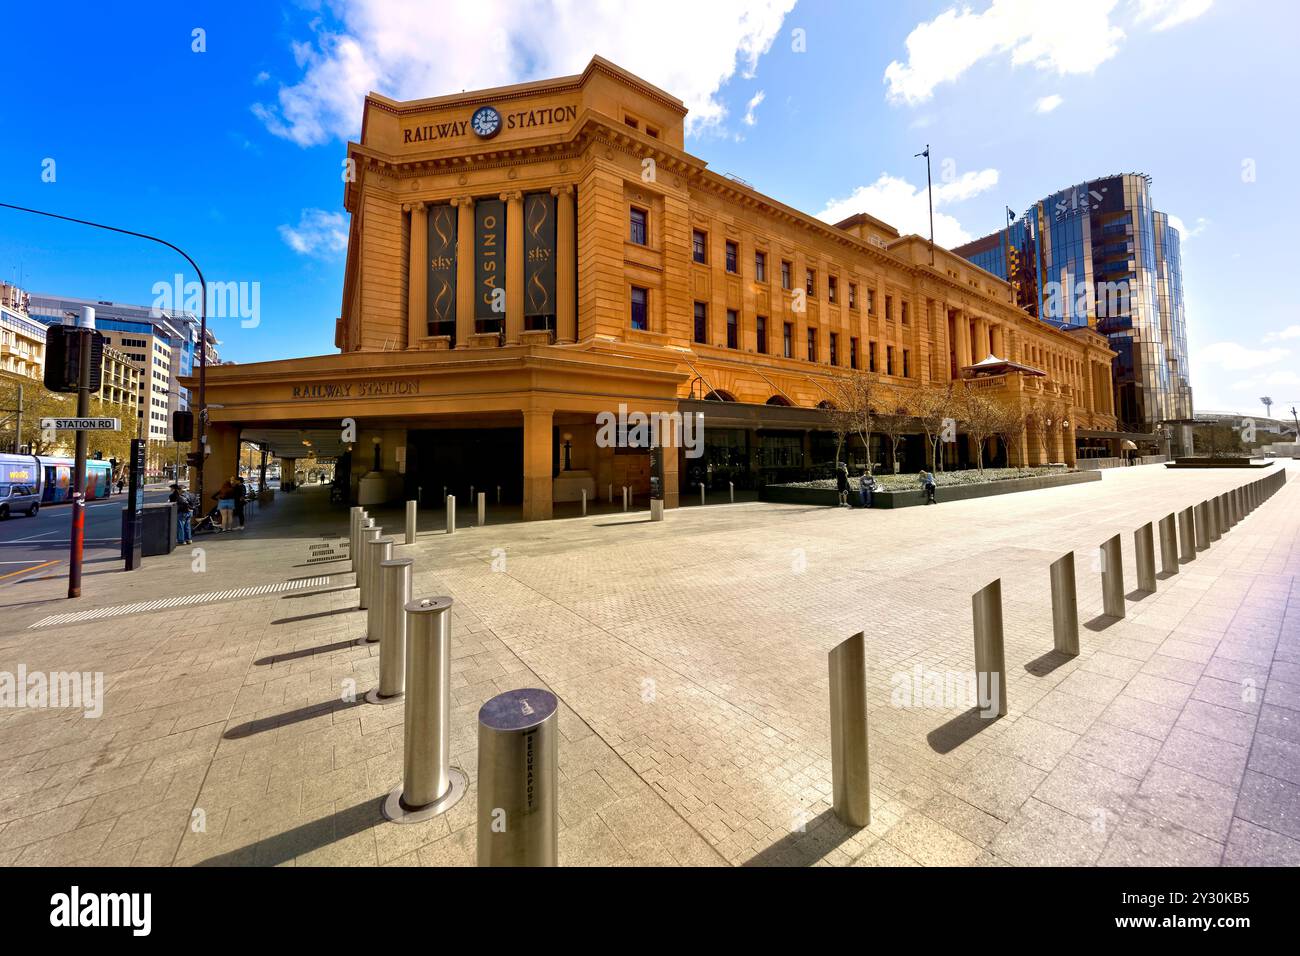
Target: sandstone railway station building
<point x="523" y="259"/>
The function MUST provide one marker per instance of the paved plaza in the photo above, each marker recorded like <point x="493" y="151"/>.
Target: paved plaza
<point x="690" y="660"/>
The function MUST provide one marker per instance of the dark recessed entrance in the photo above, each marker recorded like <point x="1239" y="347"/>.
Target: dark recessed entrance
<point x="463" y="457"/>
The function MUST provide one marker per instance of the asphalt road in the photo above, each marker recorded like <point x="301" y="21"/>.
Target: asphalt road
<point x="39" y="545"/>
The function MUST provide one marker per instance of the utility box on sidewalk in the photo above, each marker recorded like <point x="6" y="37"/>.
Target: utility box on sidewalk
<point x="158" y="534"/>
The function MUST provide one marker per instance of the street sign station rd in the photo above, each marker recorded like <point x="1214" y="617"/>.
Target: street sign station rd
<point x="86" y="424"/>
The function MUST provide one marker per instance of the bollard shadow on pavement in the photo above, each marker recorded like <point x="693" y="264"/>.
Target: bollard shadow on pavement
<point x="948" y="737"/>
<point x="1044" y="664"/>
<point x="315" y="614"/>
<point x="264" y="724"/>
<point x="1101" y="622"/>
<point x="822" y="834"/>
<point x="351" y="642"/>
<point x="280" y="848"/>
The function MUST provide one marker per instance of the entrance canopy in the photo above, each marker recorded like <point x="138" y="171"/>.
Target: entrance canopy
<point x="297" y="442"/>
<point x="996" y="366"/>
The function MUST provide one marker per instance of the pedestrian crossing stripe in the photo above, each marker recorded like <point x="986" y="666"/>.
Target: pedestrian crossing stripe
<point x="185" y="600"/>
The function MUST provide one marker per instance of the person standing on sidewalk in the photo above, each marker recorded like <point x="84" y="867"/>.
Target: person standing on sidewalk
<point x="241" y="497"/>
<point x="184" y="511"/>
<point x="225" y="496"/>
<point x="842" y="484"/>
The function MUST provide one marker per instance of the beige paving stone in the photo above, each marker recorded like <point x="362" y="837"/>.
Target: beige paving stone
<point x="693" y="685"/>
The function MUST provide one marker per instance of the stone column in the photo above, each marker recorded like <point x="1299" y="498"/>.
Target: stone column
<point x="417" y="276"/>
<point x="464" y="270"/>
<point x="980" y="350"/>
<point x="566" y="265"/>
<point x="538" y="490"/>
<point x="514" y="265"/>
<point x="961" y="326"/>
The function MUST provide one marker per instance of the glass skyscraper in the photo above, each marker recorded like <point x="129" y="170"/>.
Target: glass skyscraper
<point x="1098" y="254"/>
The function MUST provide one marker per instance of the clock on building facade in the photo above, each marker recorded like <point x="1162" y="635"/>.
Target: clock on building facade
<point x="486" y="122"/>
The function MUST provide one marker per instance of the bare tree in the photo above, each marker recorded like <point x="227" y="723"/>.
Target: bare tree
<point x="856" y="411"/>
<point x="981" y="415"/>
<point x="893" y="419"/>
<point x="1009" y="426"/>
<point x="935" y="410"/>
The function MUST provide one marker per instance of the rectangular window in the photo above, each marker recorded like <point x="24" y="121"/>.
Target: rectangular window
<point x="638" y="226"/>
<point x="787" y="340"/>
<point x="889" y="308"/>
<point x="760" y="266"/>
<point x="731" y="256"/>
<point x="701" y="322"/>
<point x="853" y="352"/>
<point x="835" y="342"/>
<point x="902" y="306"/>
<point x="810" y="283"/>
<point x="889" y="360"/>
<point x="732" y="329"/>
<point x="871" y="302"/>
<point x="785" y="274"/>
<point x="871" y="356"/>
<point x="700" y="246"/>
<point x="906" y="363"/>
<point x="640" y="310"/>
<point x="853" y="295"/>
<point x="762" y="334"/>
<point x="832" y="287"/>
<point x="812" y="345"/>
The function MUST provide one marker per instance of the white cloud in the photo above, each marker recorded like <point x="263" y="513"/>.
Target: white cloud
<point x="904" y="206"/>
<point x="318" y="233"/>
<point x="1238" y="358"/>
<point x="1170" y="13"/>
<point x="1068" y="37"/>
<point x="753" y="104"/>
<point x="1189" y="233"/>
<point x="1048" y="103"/>
<point x="405" y="51"/>
<point x="1290" y="332"/>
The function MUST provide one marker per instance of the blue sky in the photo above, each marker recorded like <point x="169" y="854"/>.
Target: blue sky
<point x="234" y="152"/>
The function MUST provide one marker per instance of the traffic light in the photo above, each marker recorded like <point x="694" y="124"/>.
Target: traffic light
<point x="182" y="425"/>
<point x="63" y="358"/>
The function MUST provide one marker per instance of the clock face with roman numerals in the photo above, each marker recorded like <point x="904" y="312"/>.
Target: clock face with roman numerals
<point x="486" y="122"/>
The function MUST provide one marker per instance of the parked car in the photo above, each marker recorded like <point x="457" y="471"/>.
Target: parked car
<point x="18" y="497"/>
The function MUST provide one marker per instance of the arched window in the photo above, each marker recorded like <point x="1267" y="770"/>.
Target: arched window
<point x="778" y="400"/>
<point x="826" y="405"/>
<point x="718" y="395"/>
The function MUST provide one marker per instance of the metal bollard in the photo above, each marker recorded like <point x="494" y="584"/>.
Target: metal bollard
<point x="354" y="526"/>
<point x="482" y="508"/>
<point x="656" y="509"/>
<point x="517" y="746"/>
<point x="1202" y="526"/>
<point x="1169" y="544"/>
<point x="731" y="487"/>
<point x="498" y="494"/>
<point x="1212" y="521"/>
<point x="430" y="784"/>
<point x="990" y="656"/>
<point x="625" y="497"/>
<point x="1112" y="577"/>
<point x="377" y="551"/>
<point x="1187" y="534"/>
<point x="850" y="755"/>
<point x="584" y="502"/>
<point x="451" y="514"/>
<point x="1065" y="605"/>
<point x="1144" y="549"/>
<point x="368" y="533"/>
<point x="701" y="492"/>
<point x="609" y="493"/>
<point x="411" y="511"/>
<point x="394" y="594"/>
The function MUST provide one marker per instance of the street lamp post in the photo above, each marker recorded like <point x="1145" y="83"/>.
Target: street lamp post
<point x="203" y="309"/>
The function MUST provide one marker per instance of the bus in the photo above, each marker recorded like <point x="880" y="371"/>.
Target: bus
<point x="52" y="477"/>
